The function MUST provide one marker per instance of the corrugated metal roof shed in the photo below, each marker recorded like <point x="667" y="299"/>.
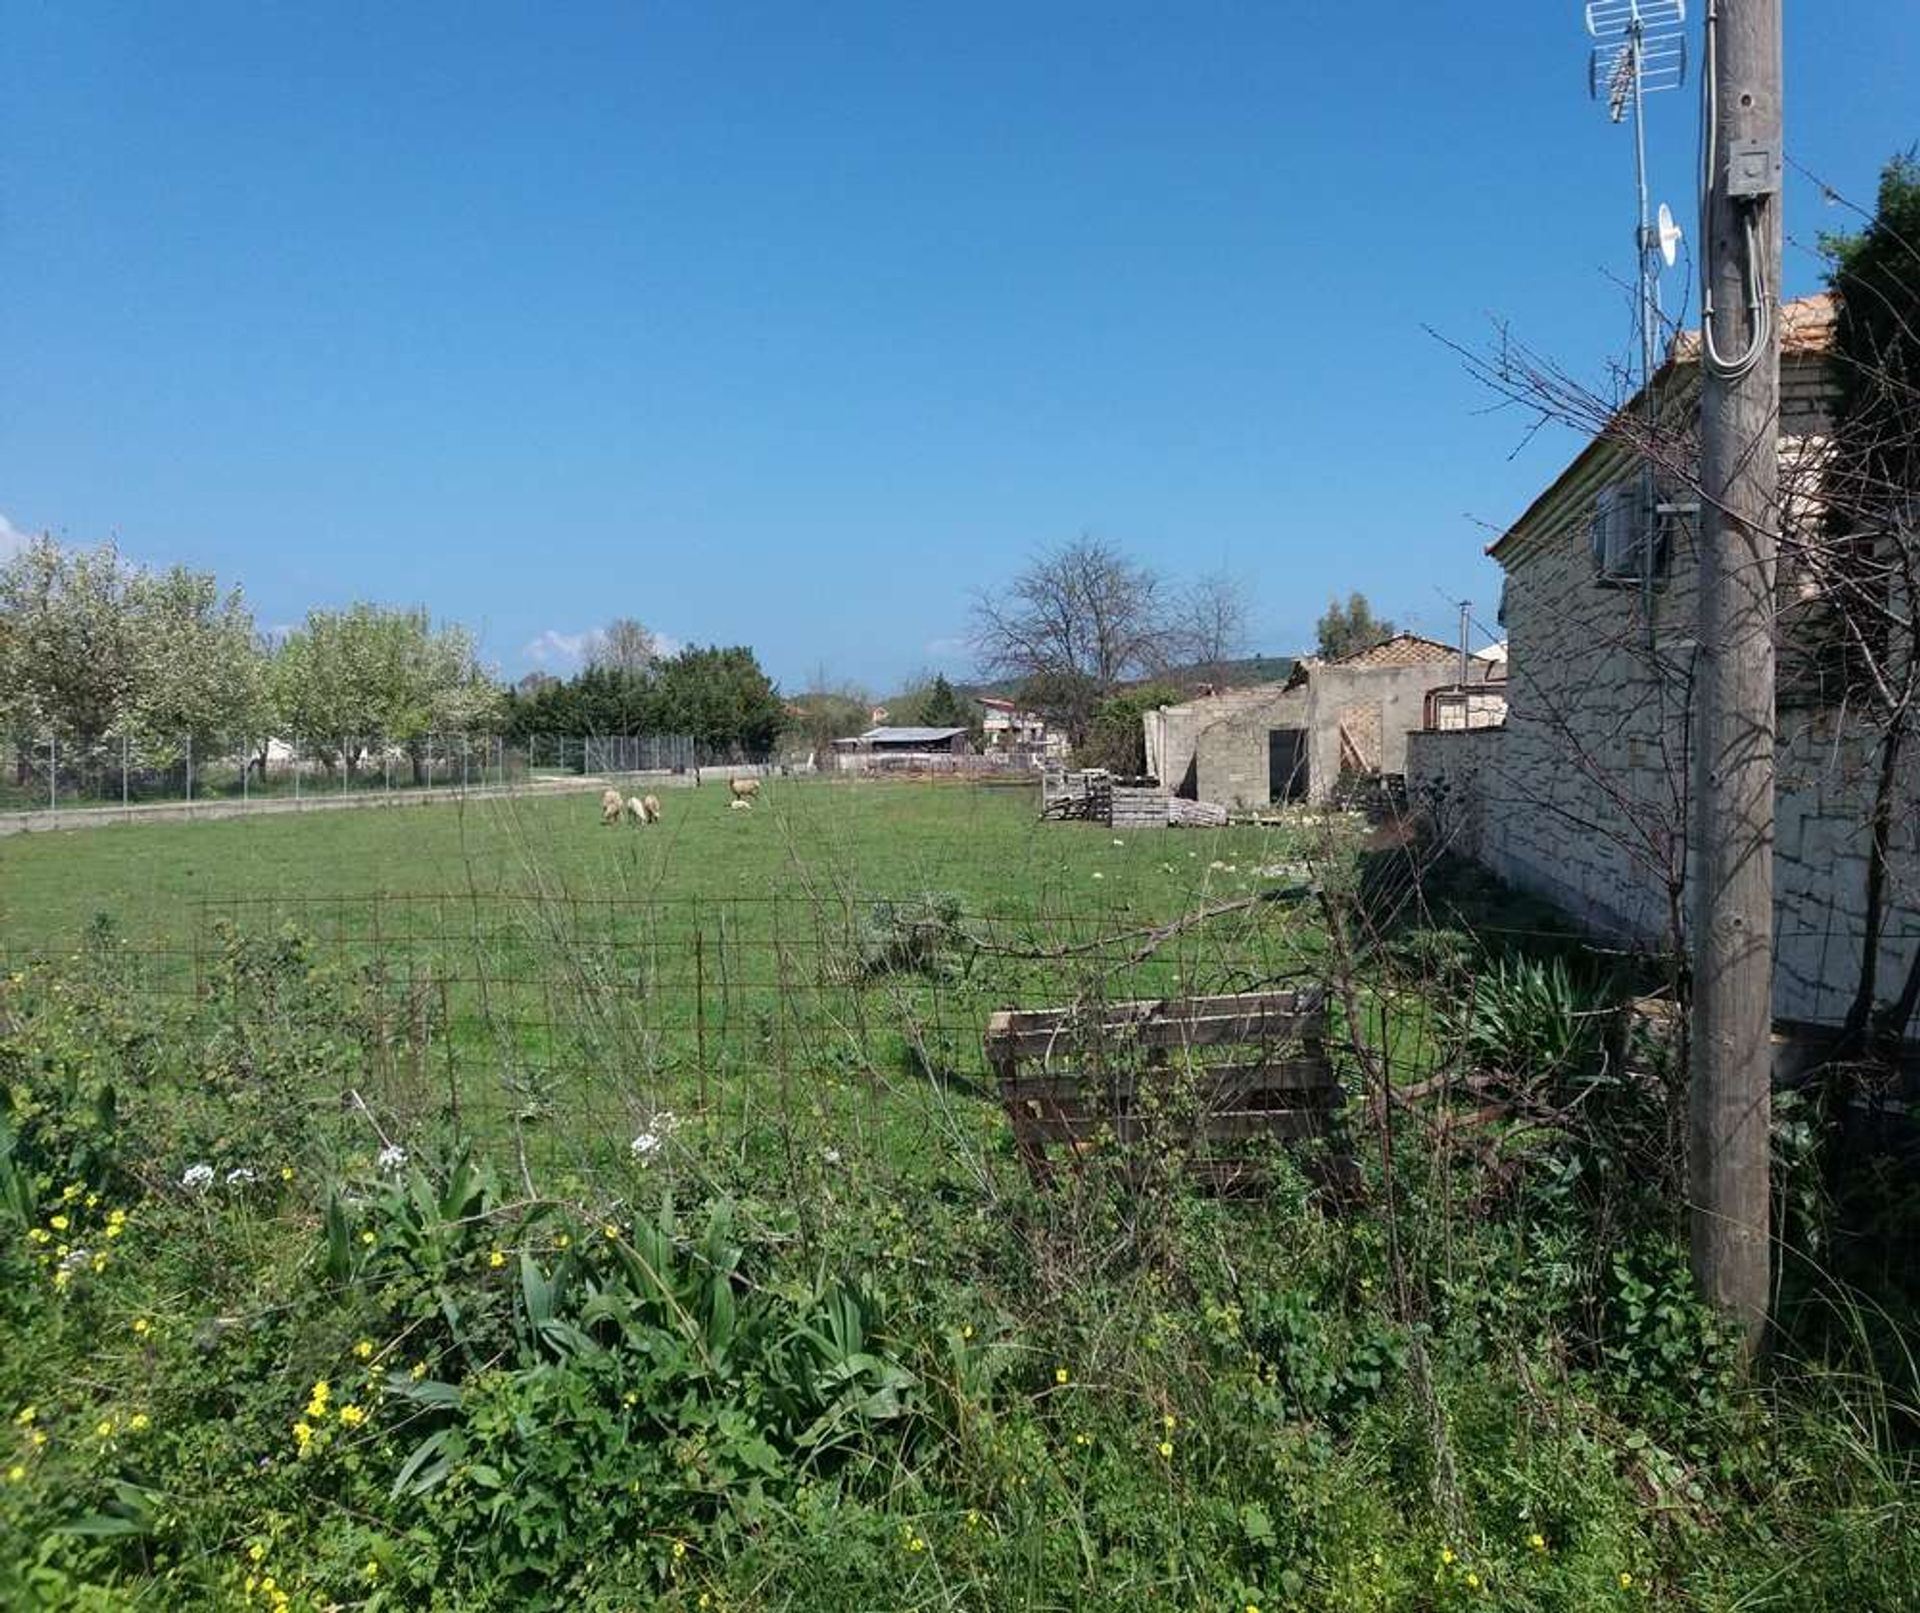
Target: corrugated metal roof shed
<point x="909" y="736"/>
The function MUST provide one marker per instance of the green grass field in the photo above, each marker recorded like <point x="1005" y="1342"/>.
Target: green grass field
<point x="805" y="840"/>
<point x="520" y="962"/>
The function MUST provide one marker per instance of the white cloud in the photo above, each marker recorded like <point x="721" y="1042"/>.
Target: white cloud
<point x="557" y="651"/>
<point x="554" y="648"/>
<point x="12" y="539"/>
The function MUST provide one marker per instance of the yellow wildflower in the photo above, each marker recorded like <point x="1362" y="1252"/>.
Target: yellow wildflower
<point x="16" y="1473"/>
<point x="679" y="1550"/>
<point x="93" y="1199"/>
<point x="40" y="1235"/>
<point x="973" y="1519"/>
<point x="141" y="1324"/>
<point x="1626" y="1580"/>
<point x="69" y="1193"/>
<point x="367" y="1238"/>
<point x="1166" y="1449"/>
<point x="1537" y="1541"/>
<point x="1083" y="1439"/>
<point x="1473" y="1580"/>
<point x="139" y="1422"/>
<point x="611" y="1231"/>
<point x="286" y="1173"/>
<point x="916" y="1544"/>
<point x="62" y="1278"/>
<point x="301" y="1434"/>
<point x="417" y="1371"/>
<point x="1446" y="1554"/>
<point x="563" y="1241"/>
<point x="351" y="1416"/>
<point x="372" y="1570"/>
<point x="257" y="1551"/>
<point x="100" y="1261"/>
<point x="496" y="1260"/>
<point x="967" y="1331"/>
<point x="1169" y="1422"/>
<point x="363" y="1349"/>
<point x="26" y="1414"/>
<point x="58" y="1223"/>
<point x="104" y="1428"/>
<point x="1061" y="1375"/>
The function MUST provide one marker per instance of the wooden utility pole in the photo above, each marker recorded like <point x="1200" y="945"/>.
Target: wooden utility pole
<point x="1731" y="1048"/>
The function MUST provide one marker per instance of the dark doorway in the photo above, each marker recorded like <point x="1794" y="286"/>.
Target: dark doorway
<point x="1286" y="764"/>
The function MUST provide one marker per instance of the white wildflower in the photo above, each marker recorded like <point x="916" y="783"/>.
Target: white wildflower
<point x="665" y="1124"/>
<point x="1098" y="875"/>
<point x="198" y="1177"/>
<point x="75" y="1260"/>
<point x="241" y="1176"/>
<point x="646" y="1145"/>
<point x="392" y="1157"/>
<point x="1119" y="842"/>
<point x="832" y="1156"/>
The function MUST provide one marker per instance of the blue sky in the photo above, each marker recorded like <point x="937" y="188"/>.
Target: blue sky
<point x="794" y="325"/>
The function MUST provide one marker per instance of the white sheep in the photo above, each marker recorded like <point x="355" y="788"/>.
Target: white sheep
<point x="611" y="807"/>
<point x="744" y="789"/>
<point x="740" y="803"/>
<point x="650" y="808"/>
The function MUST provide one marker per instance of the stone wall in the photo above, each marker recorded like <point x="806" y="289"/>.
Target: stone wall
<point x="1582" y="796"/>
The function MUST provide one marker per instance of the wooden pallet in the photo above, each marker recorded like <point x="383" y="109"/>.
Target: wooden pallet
<point x="1209" y="1077"/>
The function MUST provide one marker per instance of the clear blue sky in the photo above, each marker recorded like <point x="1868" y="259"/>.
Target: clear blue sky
<point x="793" y="325"/>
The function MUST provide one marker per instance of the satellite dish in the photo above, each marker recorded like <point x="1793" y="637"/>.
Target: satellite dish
<point x="1667" y="233"/>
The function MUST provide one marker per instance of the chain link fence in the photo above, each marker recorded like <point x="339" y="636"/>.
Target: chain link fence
<point x="46" y="773"/>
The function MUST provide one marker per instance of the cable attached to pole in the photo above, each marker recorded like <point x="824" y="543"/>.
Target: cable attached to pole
<point x="1759" y="301"/>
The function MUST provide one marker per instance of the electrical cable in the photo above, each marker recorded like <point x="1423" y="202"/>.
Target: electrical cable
<point x="1759" y="304"/>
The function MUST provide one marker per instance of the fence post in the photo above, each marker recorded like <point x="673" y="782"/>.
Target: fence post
<point x="246" y="770"/>
<point x="123" y="772"/>
<point x="53" y="773"/>
<point x="189" y="770"/>
<point x="296" y="770"/>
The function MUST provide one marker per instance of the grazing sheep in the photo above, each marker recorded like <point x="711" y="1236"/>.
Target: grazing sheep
<point x="744" y="788"/>
<point x="636" y="812"/>
<point x="740" y="803"/>
<point x="610" y="807"/>
<point x="650" y="808"/>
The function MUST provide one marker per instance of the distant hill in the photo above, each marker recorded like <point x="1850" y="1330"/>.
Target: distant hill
<point x="1237" y="673"/>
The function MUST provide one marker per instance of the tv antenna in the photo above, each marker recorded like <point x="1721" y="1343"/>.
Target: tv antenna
<point x="1639" y="50"/>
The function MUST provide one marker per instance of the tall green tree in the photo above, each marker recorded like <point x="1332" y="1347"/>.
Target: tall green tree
<point x="350" y="682"/>
<point x="720" y="697"/>
<point x="1348" y="629"/>
<point x="200" y="674"/>
<point x="69" y="654"/>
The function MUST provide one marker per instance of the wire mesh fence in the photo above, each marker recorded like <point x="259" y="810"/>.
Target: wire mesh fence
<point x="564" y="1025"/>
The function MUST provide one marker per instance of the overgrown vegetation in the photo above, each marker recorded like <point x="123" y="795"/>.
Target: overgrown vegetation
<point x="278" y="1335"/>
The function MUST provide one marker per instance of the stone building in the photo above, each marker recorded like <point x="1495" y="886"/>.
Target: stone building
<point x="1293" y="741"/>
<point x="1581" y="796"/>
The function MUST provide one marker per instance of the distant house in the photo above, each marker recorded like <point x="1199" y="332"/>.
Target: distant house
<point x="1006" y="728"/>
<point x="1294" y="741"/>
